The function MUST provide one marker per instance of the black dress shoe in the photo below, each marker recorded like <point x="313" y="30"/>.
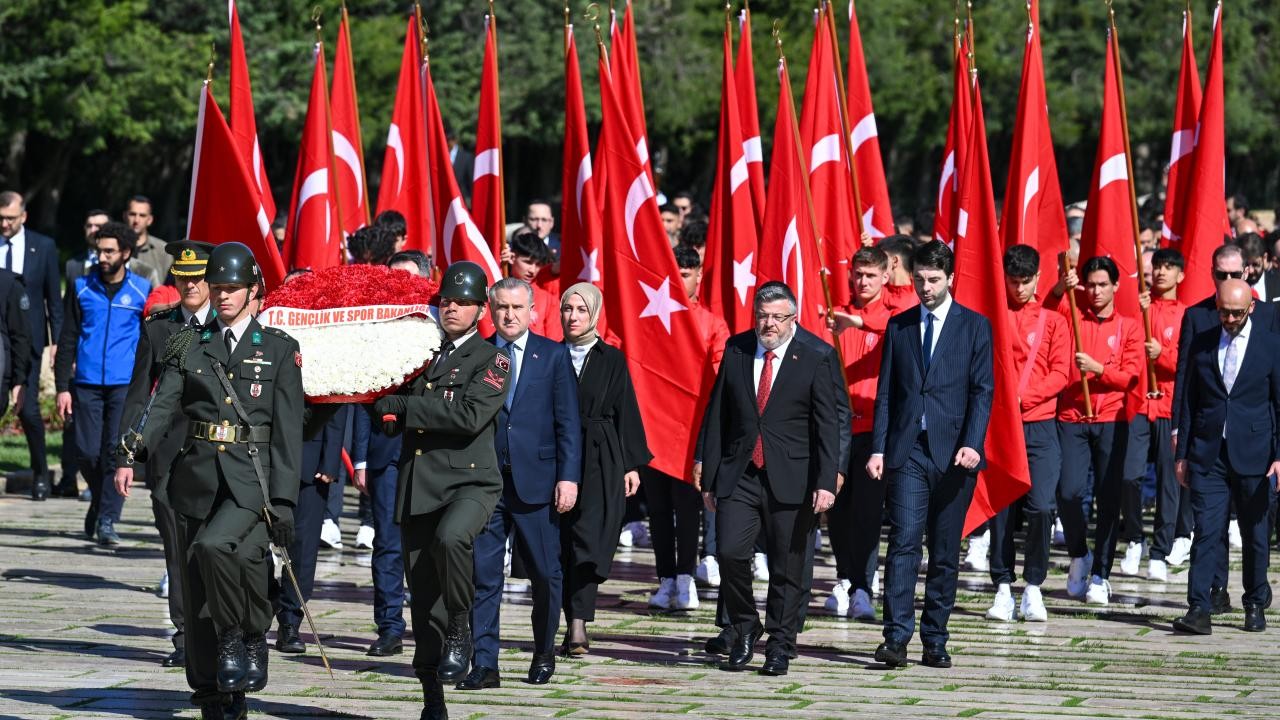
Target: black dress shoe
<point x="177" y="658"/>
<point x="1195" y="622"/>
<point x="237" y="709"/>
<point x="233" y="665"/>
<point x="433" y="705"/>
<point x="40" y="487"/>
<point x="936" y="656"/>
<point x="107" y="535"/>
<point x="720" y="644"/>
<point x="480" y="678"/>
<point x="892" y="654"/>
<point x="255" y="648"/>
<point x="387" y="644"/>
<point x="542" y="668"/>
<point x="776" y="663"/>
<point x="288" y="641"/>
<point x="66" y="487"/>
<point x="742" y="650"/>
<point x="1254" y="618"/>
<point x="457" y="648"/>
<point x="1219" y="601"/>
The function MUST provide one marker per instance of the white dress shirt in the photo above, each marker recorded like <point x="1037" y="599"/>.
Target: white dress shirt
<point x="13" y="250"/>
<point x="237" y="330"/>
<point x="780" y="352"/>
<point x="201" y="315"/>
<point x="578" y="355"/>
<point x="516" y="349"/>
<point x="939" y="318"/>
<point x="1242" y="343"/>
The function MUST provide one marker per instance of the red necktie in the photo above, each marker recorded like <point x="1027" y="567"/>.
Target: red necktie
<point x="762" y="399"/>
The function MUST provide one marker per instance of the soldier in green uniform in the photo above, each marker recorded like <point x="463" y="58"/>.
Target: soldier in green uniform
<point x="449" y="479"/>
<point x="192" y="311"/>
<point x="220" y="500"/>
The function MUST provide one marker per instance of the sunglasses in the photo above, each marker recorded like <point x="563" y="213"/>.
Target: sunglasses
<point x="1223" y="275"/>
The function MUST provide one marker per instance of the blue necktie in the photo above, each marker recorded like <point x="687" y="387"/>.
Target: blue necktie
<point x="511" y="389"/>
<point x="926" y="349"/>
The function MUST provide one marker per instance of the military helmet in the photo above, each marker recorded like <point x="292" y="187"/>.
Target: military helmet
<point x="232" y="264"/>
<point x="464" y="280"/>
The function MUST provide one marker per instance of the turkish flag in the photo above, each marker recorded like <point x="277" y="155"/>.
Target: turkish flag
<point x="624" y="69"/>
<point x="1186" y="119"/>
<point x="1108" y="221"/>
<point x="488" y="206"/>
<point x="728" y="279"/>
<point x="1033" y="211"/>
<point x="748" y="109"/>
<point x="788" y="248"/>
<point x="669" y="363"/>
<point x="244" y="127"/>
<point x="946" y="219"/>
<point x="459" y="237"/>
<point x="348" y="146"/>
<point x="581" y="225"/>
<point x="1204" y="217"/>
<point x="405" y="186"/>
<point x="979" y="286"/>
<point x="830" y="177"/>
<point x="225" y="203"/>
<point x="313" y="237"/>
<point x="873" y="189"/>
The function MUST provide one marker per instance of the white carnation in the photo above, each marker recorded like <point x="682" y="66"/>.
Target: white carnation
<point x="366" y="357"/>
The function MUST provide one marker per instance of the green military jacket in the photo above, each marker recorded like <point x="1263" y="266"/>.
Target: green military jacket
<point x="447" y="453"/>
<point x="266" y="372"/>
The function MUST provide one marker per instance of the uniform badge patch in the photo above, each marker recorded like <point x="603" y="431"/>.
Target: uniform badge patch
<point x="297" y="358"/>
<point x="503" y="362"/>
<point x="493" y="379"/>
<point x="255" y="390"/>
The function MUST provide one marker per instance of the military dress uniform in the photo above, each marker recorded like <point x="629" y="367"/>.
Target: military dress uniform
<point x="214" y="490"/>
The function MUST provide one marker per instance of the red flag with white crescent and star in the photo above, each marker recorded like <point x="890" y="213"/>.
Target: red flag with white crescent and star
<point x="1182" y="145"/>
<point x="873" y="189"/>
<point x="947" y="219"/>
<point x="348" y="145"/>
<point x="749" y="110"/>
<point x="405" y="186"/>
<point x="313" y="237"/>
<point x="244" y="127"/>
<point x="487" y="203"/>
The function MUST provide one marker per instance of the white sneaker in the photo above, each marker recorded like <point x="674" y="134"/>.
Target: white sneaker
<point x="838" y="601"/>
<point x="1002" y="608"/>
<point x="1099" y="592"/>
<point x="624" y="538"/>
<point x="860" y="608"/>
<point x="708" y="572"/>
<point x="1132" y="563"/>
<point x="817" y="540"/>
<point x="979" y="545"/>
<point x="1180" y="553"/>
<point x="1059" y="535"/>
<point x="924" y="559"/>
<point x="162" y="590"/>
<point x="661" y="599"/>
<point x="1233" y="535"/>
<point x="515" y="585"/>
<point x="1032" y="608"/>
<point x="760" y="567"/>
<point x="1078" y="575"/>
<point x="686" y="597"/>
<point x="875" y="583"/>
<point x="364" y="537"/>
<point x="1157" y="570"/>
<point x="639" y="534"/>
<point x="330" y="534"/>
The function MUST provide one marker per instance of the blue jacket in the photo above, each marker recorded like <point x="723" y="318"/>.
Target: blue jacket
<point x="541" y="453"/>
<point x="109" y="329"/>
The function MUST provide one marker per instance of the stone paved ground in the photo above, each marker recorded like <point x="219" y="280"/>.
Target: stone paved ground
<point x="82" y="634"/>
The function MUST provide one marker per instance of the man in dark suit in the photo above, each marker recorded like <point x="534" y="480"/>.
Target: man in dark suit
<point x="35" y="258"/>
<point x="1230" y="449"/>
<point x="539" y="447"/>
<point x="15" y="340"/>
<point x="1258" y="270"/>
<point x="932" y="408"/>
<point x="771" y="448"/>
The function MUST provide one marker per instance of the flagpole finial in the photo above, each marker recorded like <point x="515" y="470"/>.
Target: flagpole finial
<point x="315" y="18"/>
<point x="777" y="38"/>
<point x="592" y="15"/>
<point x="213" y="55"/>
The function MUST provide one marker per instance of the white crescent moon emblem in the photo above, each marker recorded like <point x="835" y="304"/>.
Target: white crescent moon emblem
<point x="346" y="152"/>
<point x="316" y="185"/>
<point x="395" y="143"/>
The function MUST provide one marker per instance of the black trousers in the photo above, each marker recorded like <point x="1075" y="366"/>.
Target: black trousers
<point x="788" y="531"/>
<point x="1211" y="494"/>
<point x="308" y="516"/>
<point x="1152" y="441"/>
<point x="674" y="521"/>
<point x="224" y="584"/>
<point x="31" y="420"/>
<point x="1044" y="456"/>
<point x="854" y="522"/>
<point x="439" y="566"/>
<point x="167" y="525"/>
<point x="1101" y="446"/>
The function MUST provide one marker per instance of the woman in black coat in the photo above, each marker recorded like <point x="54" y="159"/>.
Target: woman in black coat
<point x="613" y="448"/>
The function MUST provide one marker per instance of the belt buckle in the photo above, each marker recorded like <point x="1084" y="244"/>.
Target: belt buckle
<point x="222" y="433"/>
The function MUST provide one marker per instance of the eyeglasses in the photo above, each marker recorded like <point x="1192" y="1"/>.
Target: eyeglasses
<point x="1223" y="275"/>
<point x="772" y="318"/>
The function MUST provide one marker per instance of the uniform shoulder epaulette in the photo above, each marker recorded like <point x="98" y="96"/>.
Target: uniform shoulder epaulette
<point x="277" y="332"/>
<point x="172" y="315"/>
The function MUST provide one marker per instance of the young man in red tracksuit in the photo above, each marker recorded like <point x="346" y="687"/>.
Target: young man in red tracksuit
<point x="1110" y="356"/>
<point x="1042" y="355"/>
<point x="1151" y="428"/>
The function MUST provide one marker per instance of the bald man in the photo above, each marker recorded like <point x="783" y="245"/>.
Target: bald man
<point x="1229" y="448"/>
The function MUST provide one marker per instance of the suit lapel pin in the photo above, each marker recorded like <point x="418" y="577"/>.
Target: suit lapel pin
<point x="535" y="356"/>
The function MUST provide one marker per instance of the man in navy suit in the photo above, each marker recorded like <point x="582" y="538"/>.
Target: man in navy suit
<point x="539" y="446"/>
<point x="1230" y="448"/>
<point x="932" y="409"/>
<point x="35" y="258"/>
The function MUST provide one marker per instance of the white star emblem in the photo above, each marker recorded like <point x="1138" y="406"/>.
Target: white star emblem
<point x="661" y="304"/>
<point x="743" y="278"/>
<point x="590" y="270"/>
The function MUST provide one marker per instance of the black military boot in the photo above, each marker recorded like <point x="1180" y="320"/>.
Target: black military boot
<point x="233" y="665"/>
<point x="457" y="648"/>
<point x="237" y="708"/>
<point x="433" y="705"/>
<point x="255" y="647"/>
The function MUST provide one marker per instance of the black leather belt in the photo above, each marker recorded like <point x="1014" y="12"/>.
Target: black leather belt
<point x="225" y="432"/>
